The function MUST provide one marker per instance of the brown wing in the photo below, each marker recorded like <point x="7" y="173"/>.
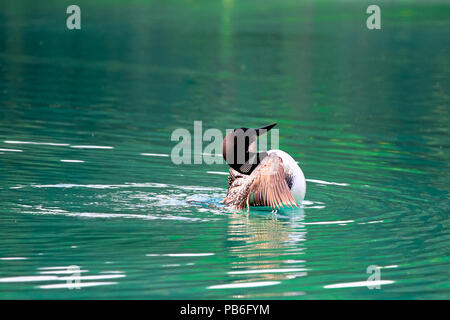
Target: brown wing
<point x="232" y="175"/>
<point x="238" y="186"/>
<point x="269" y="187"/>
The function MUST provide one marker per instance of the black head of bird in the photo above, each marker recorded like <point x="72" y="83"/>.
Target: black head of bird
<point x="239" y="148"/>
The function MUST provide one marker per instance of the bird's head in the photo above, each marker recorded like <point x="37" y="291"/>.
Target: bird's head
<point x="239" y="148"/>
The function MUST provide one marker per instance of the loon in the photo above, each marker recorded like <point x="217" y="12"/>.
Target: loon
<point x="269" y="178"/>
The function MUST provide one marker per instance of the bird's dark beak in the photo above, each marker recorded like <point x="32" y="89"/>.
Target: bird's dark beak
<point x="265" y="129"/>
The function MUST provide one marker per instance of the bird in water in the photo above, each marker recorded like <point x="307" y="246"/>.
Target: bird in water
<point x="267" y="178"/>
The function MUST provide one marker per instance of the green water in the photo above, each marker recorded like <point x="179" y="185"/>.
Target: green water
<point x="366" y="114"/>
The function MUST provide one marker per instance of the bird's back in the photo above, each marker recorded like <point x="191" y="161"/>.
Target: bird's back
<point x="276" y="182"/>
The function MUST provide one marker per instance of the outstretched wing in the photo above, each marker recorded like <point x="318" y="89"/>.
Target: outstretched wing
<point x="232" y="175"/>
<point x="238" y="186"/>
<point x="269" y="186"/>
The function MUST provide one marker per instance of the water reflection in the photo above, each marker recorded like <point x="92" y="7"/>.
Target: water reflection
<point x="265" y="250"/>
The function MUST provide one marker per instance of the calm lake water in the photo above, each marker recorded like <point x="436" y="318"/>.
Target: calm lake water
<point x="86" y="177"/>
